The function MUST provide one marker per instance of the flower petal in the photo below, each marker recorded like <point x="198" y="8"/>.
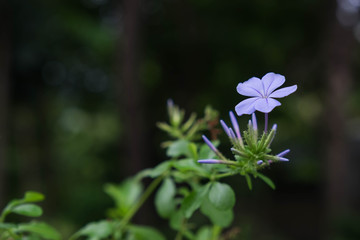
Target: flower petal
<point x="272" y="81"/>
<point x="283" y="92"/>
<point x="266" y="105"/>
<point x="250" y="88"/>
<point x="247" y="106"/>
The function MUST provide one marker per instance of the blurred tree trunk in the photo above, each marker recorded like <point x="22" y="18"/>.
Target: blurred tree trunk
<point x="339" y="49"/>
<point x="27" y="147"/>
<point x="5" y="47"/>
<point x="129" y="89"/>
<point x="130" y="96"/>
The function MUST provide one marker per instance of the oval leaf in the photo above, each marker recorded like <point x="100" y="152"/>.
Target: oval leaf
<point x="5" y="226"/>
<point x="29" y="210"/>
<point x="164" y="199"/>
<point x="31" y="196"/>
<point x="145" y="233"/>
<point x="125" y="194"/>
<point x="223" y="218"/>
<point x="176" y="220"/>
<point x="194" y="200"/>
<point x="160" y="169"/>
<point x="97" y="230"/>
<point x="187" y="164"/>
<point x="44" y="230"/>
<point x="204" y="233"/>
<point x="222" y="196"/>
<point x="178" y="148"/>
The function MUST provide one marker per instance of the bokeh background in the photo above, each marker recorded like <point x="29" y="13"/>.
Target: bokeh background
<point x="83" y="83"/>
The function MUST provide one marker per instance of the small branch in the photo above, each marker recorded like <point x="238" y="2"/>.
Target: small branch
<point x="141" y="201"/>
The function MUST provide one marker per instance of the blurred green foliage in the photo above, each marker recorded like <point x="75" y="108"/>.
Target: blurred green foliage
<point x="66" y="134"/>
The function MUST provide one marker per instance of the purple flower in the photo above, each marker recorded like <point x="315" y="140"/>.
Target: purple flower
<point x="262" y="93"/>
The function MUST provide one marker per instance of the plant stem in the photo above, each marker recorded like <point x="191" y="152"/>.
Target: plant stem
<point x="266" y="122"/>
<point x="225" y="175"/>
<point x="178" y="236"/>
<point x="130" y="214"/>
<point x="215" y="232"/>
<point x="180" y="232"/>
<point x="13" y="235"/>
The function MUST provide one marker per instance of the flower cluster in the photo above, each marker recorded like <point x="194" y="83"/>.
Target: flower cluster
<point x="251" y="151"/>
<point x="251" y="148"/>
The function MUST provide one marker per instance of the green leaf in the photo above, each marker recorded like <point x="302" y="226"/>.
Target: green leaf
<point x="217" y="217"/>
<point x="164" y="199"/>
<point x="182" y="176"/>
<point x="7" y="226"/>
<point x="267" y="180"/>
<point x="164" y="126"/>
<point x="44" y="230"/>
<point x="189" y="165"/>
<point x="203" y="233"/>
<point x="222" y="196"/>
<point x="178" y="148"/>
<point x="248" y="181"/>
<point x="28" y="209"/>
<point x="193" y="201"/>
<point x="193" y="151"/>
<point x="97" y="230"/>
<point x="205" y="152"/>
<point x="160" y="169"/>
<point x="176" y="220"/>
<point x="189" y="122"/>
<point x="143" y="174"/>
<point x="145" y="233"/>
<point x="31" y="196"/>
<point x="125" y="194"/>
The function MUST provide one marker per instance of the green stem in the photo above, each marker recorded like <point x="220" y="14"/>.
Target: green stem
<point x="12" y="234"/>
<point x="178" y="236"/>
<point x="179" y="233"/>
<point x="266" y="122"/>
<point x="4" y="213"/>
<point x="225" y="175"/>
<point x="215" y="232"/>
<point x="130" y="214"/>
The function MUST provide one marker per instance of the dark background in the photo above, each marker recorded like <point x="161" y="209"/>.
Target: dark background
<point x="83" y="83"/>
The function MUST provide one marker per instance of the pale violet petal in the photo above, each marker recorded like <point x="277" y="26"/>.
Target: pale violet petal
<point x="246" y="107"/>
<point x="250" y="88"/>
<point x="235" y="124"/>
<point x="266" y="105"/>
<point x="283" y="92"/>
<point x="272" y="81"/>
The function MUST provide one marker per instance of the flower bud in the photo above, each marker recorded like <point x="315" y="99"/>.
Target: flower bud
<point x="225" y="127"/>
<point x="254" y="122"/>
<point x="235" y="124"/>
<point x="283" y="153"/>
